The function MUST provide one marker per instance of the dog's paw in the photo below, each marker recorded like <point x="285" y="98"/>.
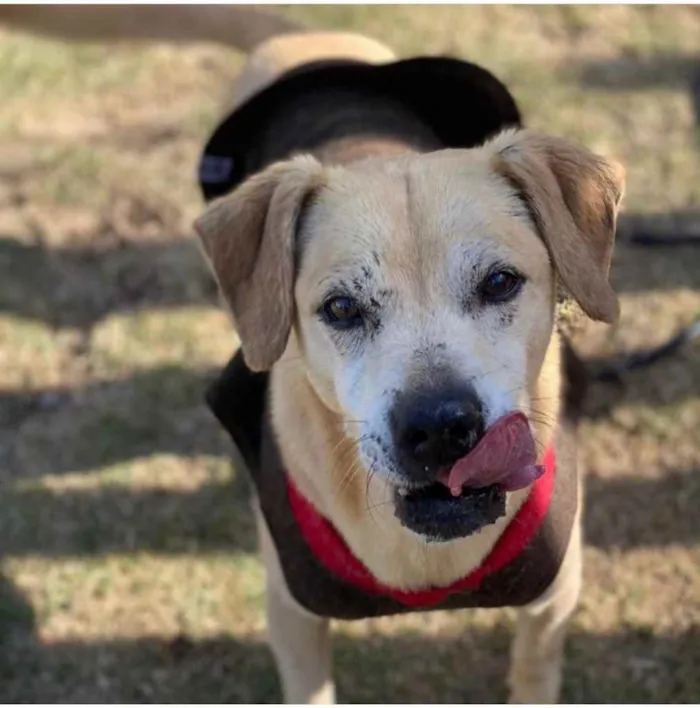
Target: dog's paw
<point x="543" y="688"/>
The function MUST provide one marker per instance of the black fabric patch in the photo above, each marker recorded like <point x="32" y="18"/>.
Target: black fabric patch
<point x="463" y="103"/>
<point x="238" y="399"/>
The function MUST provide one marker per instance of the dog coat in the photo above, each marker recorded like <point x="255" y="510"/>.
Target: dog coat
<point x="320" y="570"/>
<point x="460" y="104"/>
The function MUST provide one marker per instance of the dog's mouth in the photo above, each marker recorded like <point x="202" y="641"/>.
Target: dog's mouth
<point x="434" y="512"/>
<point x="472" y="494"/>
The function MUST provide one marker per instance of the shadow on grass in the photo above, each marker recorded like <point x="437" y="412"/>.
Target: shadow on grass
<point x="667" y="382"/>
<point x="636" y="73"/>
<point x="78" y="286"/>
<point x="160" y="411"/>
<point x="625" y="667"/>
<point x="638" y="269"/>
<point x="17" y="616"/>
<point x="100" y="522"/>
<point x="624" y="513"/>
<point x="662" y="70"/>
<point x="662" y="227"/>
<point x="75" y="429"/>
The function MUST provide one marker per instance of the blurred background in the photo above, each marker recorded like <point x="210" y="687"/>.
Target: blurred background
<point x="127" y="551"/>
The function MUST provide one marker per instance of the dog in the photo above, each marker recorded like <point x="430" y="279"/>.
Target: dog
<point x="392" y="246"/>
<point x="393" y="269"/>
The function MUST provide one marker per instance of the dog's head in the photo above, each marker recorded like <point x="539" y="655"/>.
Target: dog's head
<point x="420" y="294"/>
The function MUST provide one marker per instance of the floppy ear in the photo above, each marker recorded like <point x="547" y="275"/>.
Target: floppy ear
<point x="249" y="239"/>
<point x="573" y="197"/>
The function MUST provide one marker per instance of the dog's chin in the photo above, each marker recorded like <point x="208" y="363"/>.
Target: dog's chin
<point x="433" y="513"/>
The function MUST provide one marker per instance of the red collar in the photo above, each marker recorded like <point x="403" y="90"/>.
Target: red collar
<point x="332" y="551"/>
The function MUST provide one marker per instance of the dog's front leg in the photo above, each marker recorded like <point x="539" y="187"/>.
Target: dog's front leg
<point x="537" y="651"/>
<point x="300" y="641"/>
<point x="301" y="645"/>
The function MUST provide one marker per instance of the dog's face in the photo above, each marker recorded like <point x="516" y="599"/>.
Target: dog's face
<point x="421" y="292"/>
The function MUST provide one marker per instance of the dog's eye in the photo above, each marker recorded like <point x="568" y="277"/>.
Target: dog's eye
<point x="342" y="312"/>
<point x="501" y="286"/>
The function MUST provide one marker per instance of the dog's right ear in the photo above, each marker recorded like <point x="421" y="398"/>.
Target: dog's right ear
<point x="249" y="239"/>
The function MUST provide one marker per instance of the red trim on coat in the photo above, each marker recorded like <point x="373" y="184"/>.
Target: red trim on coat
<point x="331" y="550"/>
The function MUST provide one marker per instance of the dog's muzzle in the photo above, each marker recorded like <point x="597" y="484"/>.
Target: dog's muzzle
<point x="456" y="473"/>
<point x="433" y="430"/>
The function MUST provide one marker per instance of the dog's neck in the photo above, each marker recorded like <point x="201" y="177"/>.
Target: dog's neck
<point x="341" y="126"/>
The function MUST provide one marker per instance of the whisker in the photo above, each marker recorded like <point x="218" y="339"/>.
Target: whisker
<point x="348" y="477"/>
<point x="550" y="423"/>
<point x="379" y="504"/>
<point x="343" y="455"/>
<point x="368" y="482"/>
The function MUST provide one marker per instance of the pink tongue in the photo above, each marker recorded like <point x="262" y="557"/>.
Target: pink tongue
<point x="505" y="455"/>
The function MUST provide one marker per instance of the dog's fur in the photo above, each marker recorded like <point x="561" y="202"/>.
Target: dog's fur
<point x="414" y="232"/>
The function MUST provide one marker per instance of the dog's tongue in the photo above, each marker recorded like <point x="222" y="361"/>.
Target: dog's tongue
<point x="506" y="456"/>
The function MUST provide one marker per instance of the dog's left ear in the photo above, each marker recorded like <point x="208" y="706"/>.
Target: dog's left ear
<point x="249" y="237"/>
<point x="573" y="197"/>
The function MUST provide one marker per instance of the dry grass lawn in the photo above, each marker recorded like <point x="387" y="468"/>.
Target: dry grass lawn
<point x="127" y="554"/>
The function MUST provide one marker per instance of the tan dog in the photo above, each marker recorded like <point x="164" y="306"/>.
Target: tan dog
<point x="360" y="276"/>
<point x="403" y="297"/>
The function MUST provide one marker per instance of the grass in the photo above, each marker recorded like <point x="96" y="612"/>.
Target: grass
<point x="127" y="552"/>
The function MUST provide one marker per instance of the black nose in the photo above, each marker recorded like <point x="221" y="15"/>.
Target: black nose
<point x="433" y="430"/>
